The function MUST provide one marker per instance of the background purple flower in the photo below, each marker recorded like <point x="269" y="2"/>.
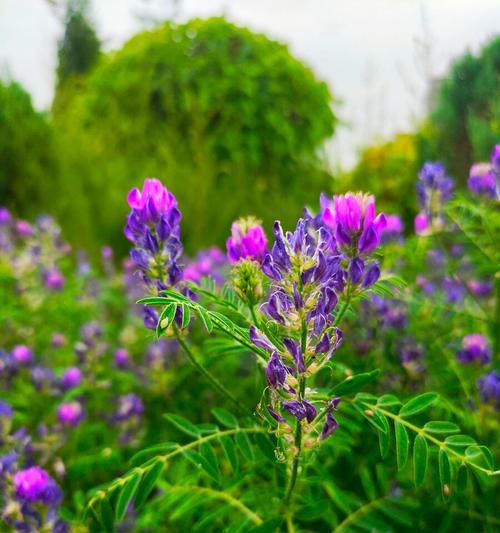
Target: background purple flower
<point x="247" y="240"/>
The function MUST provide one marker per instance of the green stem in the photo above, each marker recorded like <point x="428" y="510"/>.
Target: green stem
<point x="295" y="465"/>
<point x="254" y="316"/>
<point x="342" y="311"/>
<point x="212" y="379"/>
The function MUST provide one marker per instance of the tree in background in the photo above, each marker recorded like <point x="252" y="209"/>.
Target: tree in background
<point x="465" y="121"/>
<point x="28" y="160"/>
<point x="227" y="118"/>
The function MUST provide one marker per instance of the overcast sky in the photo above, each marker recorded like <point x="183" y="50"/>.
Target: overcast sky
<point x="375" y="54"/>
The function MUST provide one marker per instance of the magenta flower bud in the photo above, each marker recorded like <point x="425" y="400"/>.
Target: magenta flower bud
<point x="247" y="240"/>
<point x="70" y="413"/>
<point x="495" y="158"/>
<point x="421" y="223"/>
<point x="24" y="228"/>
<point x="53" y="279"/>
<point x="121" y="357"/>
<point x="475" y="348"/>
<point x="354" y="222"/>
<point x="36" y="486"/>
<point x="393" y="224"/>
<point x="22" y="354"/>
<point x="71" y="378"/>
<point x="153" y="201"/>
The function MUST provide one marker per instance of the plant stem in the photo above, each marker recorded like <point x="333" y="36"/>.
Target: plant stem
<point x="295" y="465"/>
<point x="342" y="311"/>
<point x="212" y="379"/>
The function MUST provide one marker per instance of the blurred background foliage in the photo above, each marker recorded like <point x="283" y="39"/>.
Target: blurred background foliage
<point x="228" y="119"/>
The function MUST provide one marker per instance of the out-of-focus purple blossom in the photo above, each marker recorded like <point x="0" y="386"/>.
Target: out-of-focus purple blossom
<point x="454" y="289"/>
<point x="24" y="228"/>
<point x="425" y="284"/>
<point x="22" y="354"/>
<point x="495" y="159"/>
<point x="34" y="485"/>
<point x="247" y="241"/>
<point x="207" y="263"/>
<point x="475" y="348"/>
<point x="489" y="388"/>
<point x="482" y="180"/>
<point x="71" y="378"/>
<point x="355" y="225"/>
<point x="53" y="279"/>
<point x="42" y="377"/>
<point x="480" y="288"/>
<point x="393" y="228"/>
<point x="70" y="413"/>
<point x="58" y="340"/>
<point x="5" y="409"/>
<point x="5" y="216"/>
<point x="129" y="405"/>
<point x="107" y="252"/>
<point x="421" y="223"/>
<point x="433" y="177"/>
<point x="8" y="461"/>
<point x="122" y="358"/>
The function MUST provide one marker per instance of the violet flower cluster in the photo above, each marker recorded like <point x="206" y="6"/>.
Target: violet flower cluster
<point x="153" y="227"/>
<point x="484" y="177"/>
<point x="209" y="262"/>
<point x="475" y="349"/>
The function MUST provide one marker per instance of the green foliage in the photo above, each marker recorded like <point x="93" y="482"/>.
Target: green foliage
<point x="226" y="117"/>
<point x="465" y="121"/>
<point x="28" y="161"/>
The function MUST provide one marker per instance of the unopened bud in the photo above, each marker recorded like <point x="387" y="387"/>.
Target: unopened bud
<point x="247" y="278"/>
<point x="369" y="412"/>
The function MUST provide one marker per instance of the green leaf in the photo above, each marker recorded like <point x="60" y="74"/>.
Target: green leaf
<point x="166" y="318"/>
<point x="402" y="444"/>
<point x="205" y="318"/>
<point x="441" y="427"/>
<point x="388" y="400"/>
<point x="374" y="417"/>
<point x="186" y="316"/>
<point x="184" y="425"/>
<point x="163" y="447"/>
<point x="208" y="453"/>
<point x="418" y="404"/>
<point x="154" y="300"/>
<point x="384" y="438"/>
<point x="127" y="492"/>
<point x="266" y="446"/>
<point x="444" y="468"/>
<point x="353" y="383"/>
<point x="230" y="451"/>
<point x="460" y="440"/>
<point x="147" y="483"/>
<point x="106" y="516"/>
<point x="462" y="478"/>
<point x="244" y="445"/>
<point x="420" y="459"/>
<point x="480" y="456"/>
<point x="225" y="417"/>
<point x="201" y="462"/>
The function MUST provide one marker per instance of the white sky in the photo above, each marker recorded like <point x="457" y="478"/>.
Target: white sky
<point x="366" y="50"/>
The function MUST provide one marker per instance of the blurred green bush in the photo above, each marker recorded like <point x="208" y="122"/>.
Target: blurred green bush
<point x="227" y="118"/>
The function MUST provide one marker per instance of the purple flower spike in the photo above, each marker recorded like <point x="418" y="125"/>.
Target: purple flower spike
<point x="482" y="180"/>
<point x="295" y="408"/>
<point x="71" y="378"/>
<point x="330" y="426"/>
<point x="70" y="413"/>
<point x="489" y="388"/>
<point x="296" y="352"/>
<point x="275" y="372"/>
<point x="247" y="240"/>
<point x="34" y="485"/>
<point x="22" y="354"/>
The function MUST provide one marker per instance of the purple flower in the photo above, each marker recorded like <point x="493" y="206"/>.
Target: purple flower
<point x="72" y="377"/>
<point x="5" y="409"/>
<point x="22" y="354"/>
<point x="330" y="426"/>
<point x="275" y="372"/>
<point x="58" y="340"/>
<point x="354" y="222"/>
<point x="247" y="240"/>
<point x="121" y="357"/>
<point x="129" y="405"/>
<point x="153" y="201"/>
<point x="371" y="276"/>
<point x="489" y="388"/>
<point x="275" y="415"/>
<point x="480" y="288"/>
<point x="475" y="348"/>
<point x="482" y="180"/>
<point x="495" y="158"/>
<point x="300" y="410"/>
<point x="24" y="229"/>
<point x="421" y="223"/>
<point x="5" y="216"/>
<point x="53" y="279"/>
<point x="207" y="263"/>
<point x="34" y="485"/>
<point x="70" y="413"/>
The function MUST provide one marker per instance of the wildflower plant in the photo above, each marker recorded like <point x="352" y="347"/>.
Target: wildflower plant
<point x="284" y="314"/>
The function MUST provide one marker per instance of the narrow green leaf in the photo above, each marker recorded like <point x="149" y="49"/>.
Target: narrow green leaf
<point x="201" y="462"/>
<point x="418" y="404"/>
<point x="384" y="438"/>
<point x="127" y="492"/>
<point x="420" y="459"/>
<point x="205" y="318"/>
<point x="163" y="447"/>
<point x="208" y="453"/>
<point x="106" y="516"/>
<point x="266" y="446"/>
<point x="402" y="444"/>
<point x="480" y="456"/>
<point x="373" y="417"/>
<point x="186" y="316"/>
<point x="244" y="445"/>
<point x="166" y="318"/>
<point x="460" y="440"/>
<point x="147" y="483"/>
<point x="353" y="383"/>
<point x="184" y="425"/>
<point x="230" y="451"/>
<point x="444" y="468"/>
<point x="154" y="300"/>
<point x="368" y="483"/>
<point x="441" y="427"/>
<point x="225" y="417"/>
